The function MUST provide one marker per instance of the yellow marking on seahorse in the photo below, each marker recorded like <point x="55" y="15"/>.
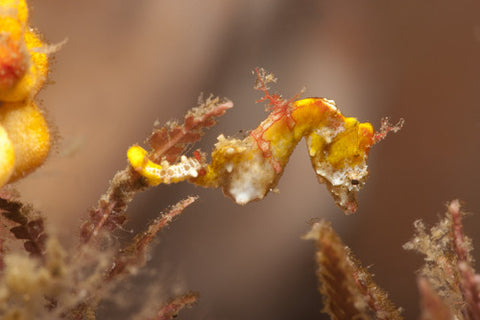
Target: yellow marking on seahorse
<point x="162" y="173"/>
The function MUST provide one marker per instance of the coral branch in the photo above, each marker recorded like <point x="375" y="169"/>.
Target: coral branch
<point x="462" y="247"/>
<point x="33" y="233"/>
<point x="348" y="289"/>
<point x="167" y="143"/>
<point x="11" y="210"/>
<point x="469" y="287"/>
<point x="2" y="253"/>
<point x="432" y="306"/>
<point x="171" y="141"/>
<point x="170" y="309"/>
<point x="27" y="227"/>
<point x="110" y="211"/>
<point x="448" y="263"/>
<point x="133" y="256"/>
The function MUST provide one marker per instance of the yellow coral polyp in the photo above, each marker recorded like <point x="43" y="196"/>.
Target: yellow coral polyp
<point x="13" y="62"/>
<point x="12" y="27"/>
<point x="7" y="158"/>
<point x="15" y="8"/>
<point x="25" y="67"/>
<point x="33" y="79"/>
<point x="24" y="134"/>
<point x="28" y="132"/>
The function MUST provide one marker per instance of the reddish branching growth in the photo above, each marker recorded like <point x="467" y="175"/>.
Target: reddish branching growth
<point x="171" y="141"/>
<point x="2" y="253"/>
<point x="11" y="210"/>
<point x="133" y="256"/>
<point x="433" y="307"/>
<point x="26" y="228"/>
<point x="448" y="263"/>
<point x="469" y="285"/>
<point x="167" y="143"/>
<point x="279" y="108"/>
<point x="33" y="234"/>
<point x="275" y="101"/>
<point x="170" y="310"/>
<point x="386" y="127"/>
<point x="462" y="246"/>
<point x="348" y="289"/>
<point x="110" y="211"/>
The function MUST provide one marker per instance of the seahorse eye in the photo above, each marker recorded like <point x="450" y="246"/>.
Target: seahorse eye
<point x="355" y="182"/>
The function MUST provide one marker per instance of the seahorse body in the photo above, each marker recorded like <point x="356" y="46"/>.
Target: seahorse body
<point x="248" y="169"/>
<point x="338" y="146"/>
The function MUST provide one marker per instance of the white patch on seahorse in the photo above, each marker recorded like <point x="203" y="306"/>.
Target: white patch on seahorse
<point x="187" y="167"/>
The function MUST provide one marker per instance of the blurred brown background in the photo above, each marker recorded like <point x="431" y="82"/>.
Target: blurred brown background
<point x="128" y="63"/>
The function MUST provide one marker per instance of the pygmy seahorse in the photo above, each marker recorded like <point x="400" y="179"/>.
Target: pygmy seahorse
<point x="248" y="169"/>
<point x="338" y="147"/>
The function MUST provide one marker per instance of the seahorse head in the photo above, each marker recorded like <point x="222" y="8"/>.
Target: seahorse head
<point x="340" y="157"/>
